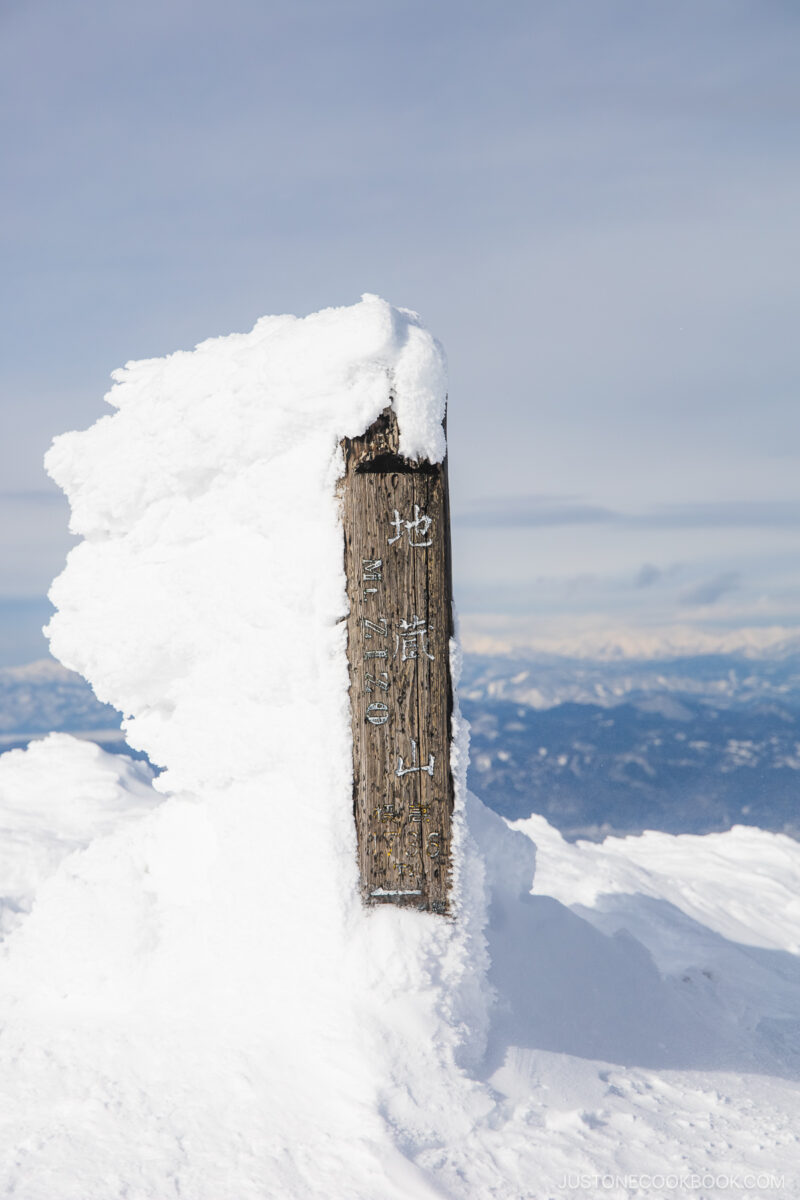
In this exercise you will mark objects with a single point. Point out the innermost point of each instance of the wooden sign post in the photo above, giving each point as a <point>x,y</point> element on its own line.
<point>397,559</point>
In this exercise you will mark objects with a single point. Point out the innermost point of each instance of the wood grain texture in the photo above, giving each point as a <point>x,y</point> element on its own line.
<point>397,558</point>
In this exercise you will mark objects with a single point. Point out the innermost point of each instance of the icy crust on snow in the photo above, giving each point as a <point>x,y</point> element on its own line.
<point>55,798</point>
<point>751,896</point>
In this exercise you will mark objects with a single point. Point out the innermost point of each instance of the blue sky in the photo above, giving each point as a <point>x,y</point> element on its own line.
<point>595,205</point>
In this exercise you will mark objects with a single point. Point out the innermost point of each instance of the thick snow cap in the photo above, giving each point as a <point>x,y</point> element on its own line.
<point>212,556</point>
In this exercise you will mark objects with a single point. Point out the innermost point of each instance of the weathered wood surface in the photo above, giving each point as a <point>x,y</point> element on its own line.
<point>397,558</point>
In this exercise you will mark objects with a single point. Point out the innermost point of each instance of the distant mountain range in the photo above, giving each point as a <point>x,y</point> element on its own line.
<point>685,745</point>
<point>44,696</point>
<point>543,680</point>
<point>682,744</point>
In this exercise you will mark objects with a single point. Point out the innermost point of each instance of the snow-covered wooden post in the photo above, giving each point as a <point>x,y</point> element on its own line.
<point>397,559</point>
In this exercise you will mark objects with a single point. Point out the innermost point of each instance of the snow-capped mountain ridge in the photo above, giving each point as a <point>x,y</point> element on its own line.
<point>43,696</point>
<point>726,680</point>
<point>513,638</point>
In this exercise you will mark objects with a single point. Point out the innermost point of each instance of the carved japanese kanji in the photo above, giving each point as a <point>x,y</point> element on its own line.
<point>397,559</point>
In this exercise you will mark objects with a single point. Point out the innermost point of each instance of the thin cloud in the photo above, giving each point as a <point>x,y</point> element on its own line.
<point>711,590</point>
<point>536,511</point>
<point>533,511</point>
<point>724,514</point>
<point>648,574</point>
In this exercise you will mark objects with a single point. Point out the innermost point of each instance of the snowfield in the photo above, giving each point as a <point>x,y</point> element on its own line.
<point>195,1003</point>
<point>644,1024</point>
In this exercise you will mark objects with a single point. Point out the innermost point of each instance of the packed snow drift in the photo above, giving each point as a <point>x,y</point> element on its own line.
<point>195,1002</point>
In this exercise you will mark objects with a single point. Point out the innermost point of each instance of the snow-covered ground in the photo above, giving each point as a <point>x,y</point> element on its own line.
<point>645,1023</point>
<point>194,1001</point>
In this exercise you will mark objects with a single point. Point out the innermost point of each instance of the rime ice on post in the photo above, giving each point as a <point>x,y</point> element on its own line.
<point>397,558</point>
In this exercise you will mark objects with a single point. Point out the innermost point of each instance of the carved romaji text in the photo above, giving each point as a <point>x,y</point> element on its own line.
<point>380,680</point>
<point>379,627</point>
<point>378,713</point>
